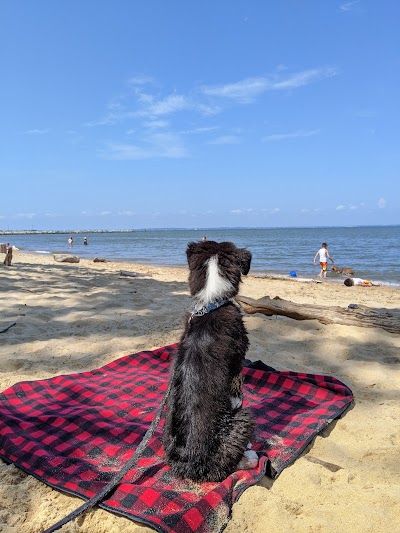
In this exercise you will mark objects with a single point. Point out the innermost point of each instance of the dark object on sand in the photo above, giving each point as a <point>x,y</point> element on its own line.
<point>66,258</point>
<point>353,306</point>
<point>8,258</point>
<point>362,315</point>
<point>99,260</point>
<point>128,274</point>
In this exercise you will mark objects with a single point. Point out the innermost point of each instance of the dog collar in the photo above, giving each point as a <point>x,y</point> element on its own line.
<point>212,306</point>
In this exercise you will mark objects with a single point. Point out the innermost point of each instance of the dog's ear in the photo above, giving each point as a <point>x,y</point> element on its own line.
<point>191,250</point>
<point>245,260</point>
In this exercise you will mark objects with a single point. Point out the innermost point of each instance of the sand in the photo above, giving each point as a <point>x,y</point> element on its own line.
<point>76,317</point>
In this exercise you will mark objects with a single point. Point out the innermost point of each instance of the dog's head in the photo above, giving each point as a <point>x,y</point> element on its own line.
<point>215,269</point>
<point>336,269</point>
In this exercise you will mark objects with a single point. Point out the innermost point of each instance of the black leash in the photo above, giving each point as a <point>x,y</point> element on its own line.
<point>117,478</point>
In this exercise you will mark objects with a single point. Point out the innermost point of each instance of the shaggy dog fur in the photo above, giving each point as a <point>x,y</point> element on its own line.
<point>340,270</point>
<point>206,432</point>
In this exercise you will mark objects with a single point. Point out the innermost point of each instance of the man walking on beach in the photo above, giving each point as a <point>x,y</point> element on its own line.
<point>323,259</point>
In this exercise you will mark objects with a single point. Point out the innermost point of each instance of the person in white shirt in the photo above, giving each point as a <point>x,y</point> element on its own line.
<point>323,259</point>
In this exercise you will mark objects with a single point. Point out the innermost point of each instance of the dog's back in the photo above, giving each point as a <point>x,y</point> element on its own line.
<point>206,432</point>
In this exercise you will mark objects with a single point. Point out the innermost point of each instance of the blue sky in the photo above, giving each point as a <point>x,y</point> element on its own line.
<point>164,113</point>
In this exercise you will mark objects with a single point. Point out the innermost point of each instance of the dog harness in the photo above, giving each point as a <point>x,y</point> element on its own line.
<point>212,306</point>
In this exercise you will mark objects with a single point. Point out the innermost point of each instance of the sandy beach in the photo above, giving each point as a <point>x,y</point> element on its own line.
<point>77,317</point>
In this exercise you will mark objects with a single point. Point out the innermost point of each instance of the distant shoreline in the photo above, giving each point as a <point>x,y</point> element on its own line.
<point>220,228</point>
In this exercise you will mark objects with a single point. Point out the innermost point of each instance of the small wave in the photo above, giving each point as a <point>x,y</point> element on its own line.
<point>42,252</point>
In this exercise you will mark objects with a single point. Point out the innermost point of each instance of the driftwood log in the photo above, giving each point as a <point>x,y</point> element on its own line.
<point>8,257</point>
<point>128,274</point>
<point>66,258</point>
<point>354,315</point>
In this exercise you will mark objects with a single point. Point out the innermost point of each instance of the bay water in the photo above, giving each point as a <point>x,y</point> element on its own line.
<point>371,251</point>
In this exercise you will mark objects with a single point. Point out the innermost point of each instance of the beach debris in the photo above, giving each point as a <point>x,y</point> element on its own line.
<point>8,258</point>
<point>330,466</point>
<point>129,274</point>
<point>66,258</point>
<point>99,260</point>
<point>363,316</point>
<point>6,329</point>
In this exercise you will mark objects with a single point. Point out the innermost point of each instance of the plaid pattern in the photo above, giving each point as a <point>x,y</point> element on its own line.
<point>75,431</point>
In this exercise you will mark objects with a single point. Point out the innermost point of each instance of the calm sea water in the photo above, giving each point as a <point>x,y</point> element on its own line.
<point>372,251</point>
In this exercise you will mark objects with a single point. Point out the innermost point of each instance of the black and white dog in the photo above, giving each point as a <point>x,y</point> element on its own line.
<point>207,434</point>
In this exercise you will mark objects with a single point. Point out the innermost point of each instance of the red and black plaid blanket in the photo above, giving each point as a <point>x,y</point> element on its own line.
<point>74,432</point>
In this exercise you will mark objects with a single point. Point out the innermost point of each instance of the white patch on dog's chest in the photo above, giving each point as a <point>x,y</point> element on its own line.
<point>216,286</point>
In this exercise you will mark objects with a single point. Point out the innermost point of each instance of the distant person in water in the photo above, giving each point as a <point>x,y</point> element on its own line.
<point>323,259</point>
<point>85,240</point>
<point>70,240</point>
<point>350,282</point>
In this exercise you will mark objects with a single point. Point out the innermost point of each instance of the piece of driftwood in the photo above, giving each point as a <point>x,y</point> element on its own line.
<point>129,274</point>
<point>8,258</point>
<point>66,258</point>
<point>354,315</point>
<point>99,260</point>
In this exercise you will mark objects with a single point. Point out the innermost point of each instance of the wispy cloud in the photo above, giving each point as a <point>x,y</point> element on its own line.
<point>226,139</point>
<point>255,211</point>
<point>348,6</point>
<point>241,211</point>
<point>107,120</point>
<point>245,91</point>
<point>346,207</point>
<point>293,135</point>
<point>156,124</point>
<point>150,115</point>
<point>158,145</point>
<point>140,80</point>
<point>366,113</point>
<point>307,211</point>
<point>25,215</point>
<point>34,132</point>
<point>304,78</point>
<point>381,203</point>
<point>196,131</point>
<point>104,213</point>
<point>166,106</point>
